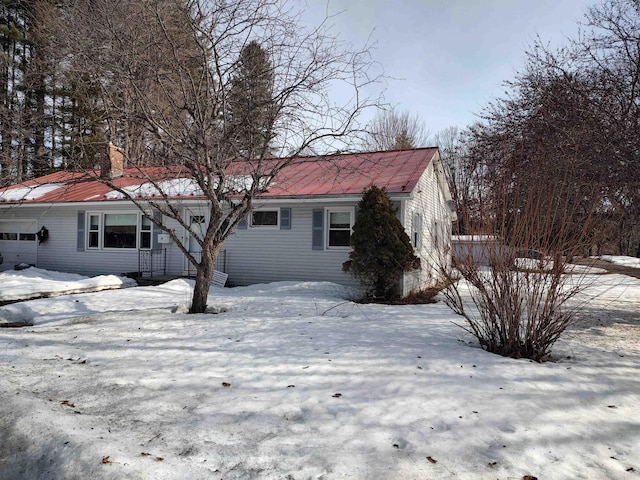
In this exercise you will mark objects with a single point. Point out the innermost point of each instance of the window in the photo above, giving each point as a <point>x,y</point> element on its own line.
<point>94,231</point>
<point>197,220</point>
<point>440,233</point>
<point>19,231</point>
<point>145,233</point>
<point>339,225</point>
<point>118,230</point>
<point>264,218</point>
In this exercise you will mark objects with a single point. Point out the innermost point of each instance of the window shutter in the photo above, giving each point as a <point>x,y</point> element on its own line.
<point>242,225</point>
<point>81,227</point>
<point>157,217</point>
<point>285,219</point>
<point>317,236</point>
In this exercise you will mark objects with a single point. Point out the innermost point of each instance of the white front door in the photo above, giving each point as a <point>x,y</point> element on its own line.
<point>18,242</point>
<point>197,219</point>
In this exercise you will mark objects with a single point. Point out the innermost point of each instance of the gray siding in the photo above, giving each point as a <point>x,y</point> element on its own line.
<point>115,261</point>
<point>257,255</point>
<point>60,251</point>
<point>254,255</point>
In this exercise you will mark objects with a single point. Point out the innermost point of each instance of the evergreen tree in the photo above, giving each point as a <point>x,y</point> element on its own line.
<point>13,21</point>
<point>382,250</point>
<point>250,102</point>
<point>27,100</point>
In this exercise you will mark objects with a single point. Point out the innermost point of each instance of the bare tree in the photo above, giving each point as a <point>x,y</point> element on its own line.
<point>610,49</point>
<point>168,66</point>
<point>394,130</point>
<point>463,172</point>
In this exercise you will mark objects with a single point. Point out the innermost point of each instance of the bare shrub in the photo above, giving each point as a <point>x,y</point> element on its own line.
<point>539,196</point>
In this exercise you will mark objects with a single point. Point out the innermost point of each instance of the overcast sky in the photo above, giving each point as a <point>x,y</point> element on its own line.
<point>450,56</point>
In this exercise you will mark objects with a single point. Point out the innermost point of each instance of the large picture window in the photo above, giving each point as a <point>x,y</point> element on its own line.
<point>339,225</point>
<point>120,230</point>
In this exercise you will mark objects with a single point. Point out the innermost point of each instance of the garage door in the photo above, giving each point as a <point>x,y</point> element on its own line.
<point>18,242</point>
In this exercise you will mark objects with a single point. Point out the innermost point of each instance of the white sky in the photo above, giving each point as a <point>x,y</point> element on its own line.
<point>450,57</point>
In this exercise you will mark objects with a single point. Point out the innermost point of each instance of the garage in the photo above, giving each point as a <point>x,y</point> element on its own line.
<point>18,242</point>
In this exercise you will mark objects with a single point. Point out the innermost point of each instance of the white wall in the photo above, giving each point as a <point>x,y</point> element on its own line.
<point>430,201</point>
<point>253,255</point>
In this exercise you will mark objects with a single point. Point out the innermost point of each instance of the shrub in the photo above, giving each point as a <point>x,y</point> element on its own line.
<point>382,250</point>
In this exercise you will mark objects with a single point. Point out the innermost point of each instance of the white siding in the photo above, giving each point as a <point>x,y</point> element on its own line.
<point>429,199</point>
<point>60,251</point>
<point>254,255</point>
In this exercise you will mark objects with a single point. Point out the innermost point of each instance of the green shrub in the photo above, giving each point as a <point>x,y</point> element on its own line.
<point>382,250</point>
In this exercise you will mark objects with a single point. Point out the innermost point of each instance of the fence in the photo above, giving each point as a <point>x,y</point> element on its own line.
<point>152,262</point>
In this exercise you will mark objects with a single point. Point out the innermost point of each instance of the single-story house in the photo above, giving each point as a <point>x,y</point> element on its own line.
<point>298,230</point>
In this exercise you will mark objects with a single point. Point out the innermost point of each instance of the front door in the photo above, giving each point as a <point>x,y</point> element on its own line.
<point>197,219</point>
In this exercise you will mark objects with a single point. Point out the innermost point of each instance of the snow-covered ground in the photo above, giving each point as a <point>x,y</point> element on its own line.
<point>622,260</point>
<point>293,381</point>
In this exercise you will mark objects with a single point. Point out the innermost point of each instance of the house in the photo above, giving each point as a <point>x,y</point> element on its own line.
<point>298,230</point>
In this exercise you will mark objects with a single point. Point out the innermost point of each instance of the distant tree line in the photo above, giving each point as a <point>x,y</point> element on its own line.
<point>560,151</point>
<point>28,93</point>
<point>569,129</point>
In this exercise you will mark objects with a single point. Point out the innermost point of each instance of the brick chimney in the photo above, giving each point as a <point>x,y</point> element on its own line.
<point>112,162</point>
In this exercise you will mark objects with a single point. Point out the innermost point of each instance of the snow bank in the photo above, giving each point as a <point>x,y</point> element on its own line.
<point>622,260</point>
<point>35,282</point>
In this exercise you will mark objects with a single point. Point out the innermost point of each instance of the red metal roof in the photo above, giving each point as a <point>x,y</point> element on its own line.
<point>335,175</point>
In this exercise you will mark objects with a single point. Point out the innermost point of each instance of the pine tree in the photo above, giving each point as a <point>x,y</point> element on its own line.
<point>251,102</point>
<point>12,59</point>
<point>382,250</point>
<point>28,67</point>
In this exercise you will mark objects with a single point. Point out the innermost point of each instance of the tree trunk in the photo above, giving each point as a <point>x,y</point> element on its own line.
<point>204,274</point>
<point>41,163</point>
